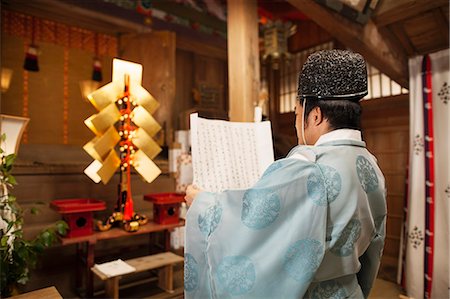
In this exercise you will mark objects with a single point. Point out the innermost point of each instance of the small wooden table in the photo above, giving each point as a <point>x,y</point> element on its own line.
<point>86,256</point>
<point>47,293</point>
<point>164,262</point>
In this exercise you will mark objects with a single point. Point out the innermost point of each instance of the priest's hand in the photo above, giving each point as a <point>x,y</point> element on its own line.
<point>191,193</point>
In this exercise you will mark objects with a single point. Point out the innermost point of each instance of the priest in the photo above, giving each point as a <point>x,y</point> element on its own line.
<point>313,226</point>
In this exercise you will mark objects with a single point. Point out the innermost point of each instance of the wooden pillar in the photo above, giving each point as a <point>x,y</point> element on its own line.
<point>273,80</point>
<point>243,59</point>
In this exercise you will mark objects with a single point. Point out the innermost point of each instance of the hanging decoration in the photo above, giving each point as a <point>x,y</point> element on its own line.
<point>125,101</point>
<point>148,9</point>
<point>425,240</point>
<point>144,7</point>
<point>97,67</point>
<point>31,59</point>
<point>195,25</point>
<point>6,75</point>
<point>15,24</point>
<point>25,112</point>
<point>97,70</point>
<point>31,56</point>
<point>276,34</point>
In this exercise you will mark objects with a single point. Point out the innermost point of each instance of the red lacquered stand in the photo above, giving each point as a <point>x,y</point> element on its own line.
<point>78,214</point>
<point>166,207</point>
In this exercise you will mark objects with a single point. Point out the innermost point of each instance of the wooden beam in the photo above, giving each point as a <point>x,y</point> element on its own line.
<point>191,45</point>
<point>442,22</point>
<point>308,36</point>
<point>243,59</point>
<point>399,31</point>
<point>190,13</point>
<point>390,12</point>
<point>384,55</point>
<point>71,14</point>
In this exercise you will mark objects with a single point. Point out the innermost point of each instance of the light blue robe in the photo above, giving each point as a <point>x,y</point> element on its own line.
<point>313,226</point>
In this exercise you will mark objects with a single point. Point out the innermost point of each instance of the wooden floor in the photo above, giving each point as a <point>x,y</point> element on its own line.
<point>384,289</point>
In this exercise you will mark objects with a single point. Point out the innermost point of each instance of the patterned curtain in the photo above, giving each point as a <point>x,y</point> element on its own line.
<point>426,234</point>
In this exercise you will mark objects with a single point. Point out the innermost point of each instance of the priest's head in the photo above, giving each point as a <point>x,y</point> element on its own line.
<point>330,86</point>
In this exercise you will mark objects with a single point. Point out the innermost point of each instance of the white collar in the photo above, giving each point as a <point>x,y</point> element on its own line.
<point>340,134</point>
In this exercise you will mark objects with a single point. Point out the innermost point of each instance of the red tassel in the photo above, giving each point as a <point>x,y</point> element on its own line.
<point>144,7</point>
<point>31,59</point>
<point>97,71</point>
<point>128,210</point>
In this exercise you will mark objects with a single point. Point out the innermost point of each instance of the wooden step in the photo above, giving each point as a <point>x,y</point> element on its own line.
<point>162,261</point>
<point>154,261</point>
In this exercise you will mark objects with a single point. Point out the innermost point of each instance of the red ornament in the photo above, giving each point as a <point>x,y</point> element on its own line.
<point>195,25</point>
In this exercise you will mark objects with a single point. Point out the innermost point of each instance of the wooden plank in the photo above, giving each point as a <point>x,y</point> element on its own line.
<point>112,287</point>
<point>201,48</point>
<point>47,293</point>
<point>188,12</point>
<point>147,228</point>
<point>118,233</point>
<point>393,237</point>
<point>442,21</point>
<point>156,52</point>
<point>164,260</point>
<point>393,39</point>
<point>308,36</point>
<point>367,40</point>
<point>389,261</point>
<point>178,293</point>
<point>165,279</point>
<point>386,132</point>
<point>145,263</point>
<point>100,274</point>
<point>154,261</point>
<point>243,59</point>
<point>390,12</point>
<point>398,30</point>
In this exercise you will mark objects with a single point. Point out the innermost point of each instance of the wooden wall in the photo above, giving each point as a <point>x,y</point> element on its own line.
<point>156,52</point>
<point>45,94</point>
<point>385,124</point>
<point>201,81</point>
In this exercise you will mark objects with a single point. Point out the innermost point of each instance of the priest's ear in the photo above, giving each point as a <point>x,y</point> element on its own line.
<point>316,116</point>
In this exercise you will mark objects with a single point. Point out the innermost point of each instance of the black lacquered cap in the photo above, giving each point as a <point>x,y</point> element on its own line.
<point>334,75</point>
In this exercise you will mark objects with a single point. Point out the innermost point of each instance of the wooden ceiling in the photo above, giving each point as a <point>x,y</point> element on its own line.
<point>420,27</point>
<point>396,31</point>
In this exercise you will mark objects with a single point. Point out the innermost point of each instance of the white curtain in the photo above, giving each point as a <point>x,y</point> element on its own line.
<point>426,237</point>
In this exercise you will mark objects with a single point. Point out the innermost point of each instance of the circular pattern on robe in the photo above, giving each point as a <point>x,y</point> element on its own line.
<point>210,219</point>
<point>302,259</point>
<point>328,289</point>
<point>190,273</point>
<point>323,190</point>
<point>346,242</point>
<point>272,167</point>
<point>366,174</point>
<point>236,274</point>
<point>260,208</point>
